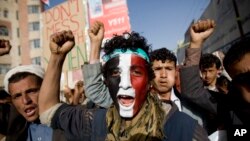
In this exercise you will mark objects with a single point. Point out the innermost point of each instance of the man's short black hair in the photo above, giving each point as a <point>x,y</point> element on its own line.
<point>163,54</point>
<point>208,60</point>
<point>126,41</point>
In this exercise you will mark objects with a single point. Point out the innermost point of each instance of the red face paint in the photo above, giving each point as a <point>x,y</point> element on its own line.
<point>139,79</point>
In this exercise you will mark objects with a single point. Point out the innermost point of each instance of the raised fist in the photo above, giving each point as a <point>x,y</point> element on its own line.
<point>96,32</point>
<point>62,42</point>
<point>4,47</point>
<point>200,31</point>
<point>203,25</point>
<point>96,35</point>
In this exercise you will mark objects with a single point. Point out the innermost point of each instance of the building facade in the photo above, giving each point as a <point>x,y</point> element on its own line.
<point>232,19</point>
<point>9,30</point>
<point>20,23</point>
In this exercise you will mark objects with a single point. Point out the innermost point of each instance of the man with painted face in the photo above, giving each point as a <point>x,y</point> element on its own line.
<point>164,66</point>
<point>135,115</point>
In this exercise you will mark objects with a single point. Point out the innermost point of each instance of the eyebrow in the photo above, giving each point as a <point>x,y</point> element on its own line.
<point>32,89</point>
<point>27,91</point>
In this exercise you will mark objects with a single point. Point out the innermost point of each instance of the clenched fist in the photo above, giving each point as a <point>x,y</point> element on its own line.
<point>62,42</point>
<point>4,47</point>
<point>200,31</point>
<point>96,35</point>
<point>203,25</point>
<point>96,32</point>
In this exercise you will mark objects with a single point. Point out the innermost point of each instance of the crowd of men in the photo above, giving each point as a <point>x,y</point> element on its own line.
<point>133,95</point>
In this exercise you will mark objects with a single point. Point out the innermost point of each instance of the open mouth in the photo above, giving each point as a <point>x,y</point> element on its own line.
<point>126,100</point>
<point>30,111</point>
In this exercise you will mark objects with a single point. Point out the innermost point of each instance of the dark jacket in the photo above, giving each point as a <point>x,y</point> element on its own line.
<point>16,128</point>
<point>176,123</point>
<point>201,98</point>
<point>227,110</point>
<point>221,111</point>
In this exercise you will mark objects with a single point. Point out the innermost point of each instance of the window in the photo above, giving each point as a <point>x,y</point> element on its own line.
<point>17,15</point>
<point>4,31</point>
<point>36,60</point>
<point>4,68</point>
<point>32,9</point>
<point>35,43</point>
<point>34,26</point>
<point>5,13</point>
<point>17,32</point>
<point>19,50</point>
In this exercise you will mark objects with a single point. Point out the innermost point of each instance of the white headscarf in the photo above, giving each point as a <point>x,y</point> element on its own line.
<point>34,69</point>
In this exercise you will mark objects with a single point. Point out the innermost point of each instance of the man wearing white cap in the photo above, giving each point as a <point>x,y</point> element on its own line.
<point>20,121</point>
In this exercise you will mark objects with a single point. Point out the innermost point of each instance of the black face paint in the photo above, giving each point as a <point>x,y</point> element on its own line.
<point>111,79</point>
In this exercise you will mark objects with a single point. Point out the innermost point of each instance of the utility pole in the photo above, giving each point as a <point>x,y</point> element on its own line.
<point>238,19</point>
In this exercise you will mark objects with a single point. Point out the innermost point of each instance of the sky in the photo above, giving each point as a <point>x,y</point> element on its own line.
<point>164,22</point>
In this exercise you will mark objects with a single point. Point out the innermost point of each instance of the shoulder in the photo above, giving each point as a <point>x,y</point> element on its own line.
<point>180,121</point>
<point>180,126</point>
<point>183,118</point>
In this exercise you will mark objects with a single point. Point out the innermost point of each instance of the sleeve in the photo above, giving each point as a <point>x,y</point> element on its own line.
<point>192,89</point>
<point>46,117</point>
<point>192,56</point>
<point>75,121</point>
<point>95,89</point>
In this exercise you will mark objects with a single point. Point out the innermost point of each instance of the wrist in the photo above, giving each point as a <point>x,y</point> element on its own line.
<point>57,58</point>
<point>196,44</point>
<point>96,44</point>
<point>94,61</point>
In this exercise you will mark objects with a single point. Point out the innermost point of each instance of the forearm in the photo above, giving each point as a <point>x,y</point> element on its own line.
<point>50,89</point>
<point>95,52</point>
<point>192,56</point>
<point>95,89</point>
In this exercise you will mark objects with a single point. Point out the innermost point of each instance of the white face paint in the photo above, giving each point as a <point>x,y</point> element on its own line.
<point>125,87</point>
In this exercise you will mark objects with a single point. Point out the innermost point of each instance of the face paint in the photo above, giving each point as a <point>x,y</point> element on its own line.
<point>128,83</point>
